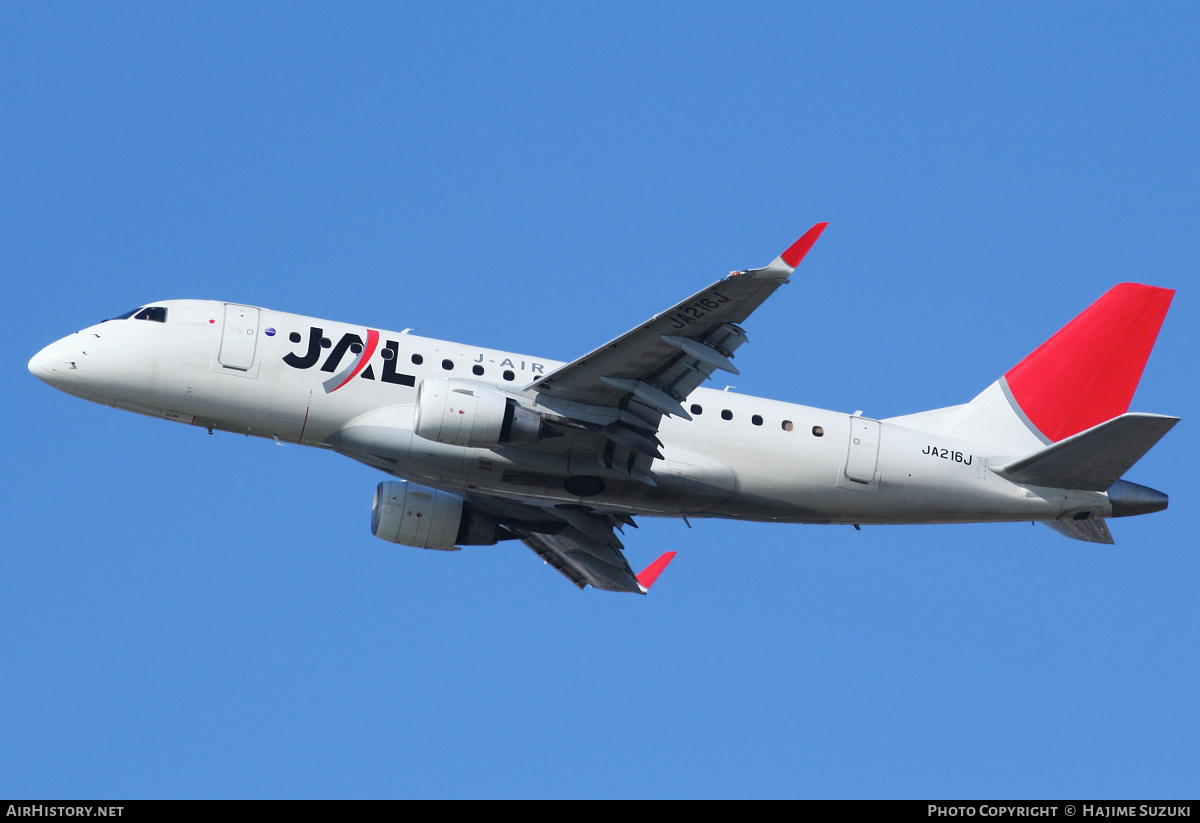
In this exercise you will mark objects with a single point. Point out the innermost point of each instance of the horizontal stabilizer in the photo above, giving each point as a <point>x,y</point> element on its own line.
<point>1092,460</point>
<point>1089,531</point>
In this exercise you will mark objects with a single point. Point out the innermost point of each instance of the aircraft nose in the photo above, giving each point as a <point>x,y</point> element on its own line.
<point>53,364</point>
<point>39,364</point>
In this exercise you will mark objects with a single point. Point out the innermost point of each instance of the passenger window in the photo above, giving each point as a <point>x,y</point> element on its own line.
<point>787,425</point>
<point>756,419</point>
<point>726,414</point>
<point>477,369</point>
<point>818,431</point>
<point>509,374</point>
<point>447,364</point>
<point>156,313</point>
<point>417,359</point>
<point>697,409</point>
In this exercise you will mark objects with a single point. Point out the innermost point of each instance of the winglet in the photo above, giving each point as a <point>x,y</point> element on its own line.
<point>783,265</point>
<point>650,573</point>
<point>797,250</point>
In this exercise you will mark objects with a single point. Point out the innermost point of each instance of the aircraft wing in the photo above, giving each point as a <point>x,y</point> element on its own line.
<point>626,385</point>
<point>583,561</point>
<point>582,545</point>
<point>621,391</point>
<point>576,557</point>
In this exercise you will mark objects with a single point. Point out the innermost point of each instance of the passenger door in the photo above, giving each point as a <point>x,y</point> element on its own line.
<point>239,337</point>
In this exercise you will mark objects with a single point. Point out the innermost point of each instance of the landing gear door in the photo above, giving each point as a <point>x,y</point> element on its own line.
<point>239,336</point>
<point>864,449</point>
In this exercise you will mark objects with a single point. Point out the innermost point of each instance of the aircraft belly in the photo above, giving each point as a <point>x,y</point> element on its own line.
<point>536,473</point>
<point>685,482</point>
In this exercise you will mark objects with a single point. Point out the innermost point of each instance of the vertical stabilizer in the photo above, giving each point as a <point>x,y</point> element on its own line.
<point>1081,377</point>
<point>1087,373</point>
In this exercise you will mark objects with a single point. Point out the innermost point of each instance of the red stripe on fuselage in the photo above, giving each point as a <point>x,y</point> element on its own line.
<point>368,350</point>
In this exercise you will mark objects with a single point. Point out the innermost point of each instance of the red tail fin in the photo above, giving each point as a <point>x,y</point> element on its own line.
<point>1087,373</point>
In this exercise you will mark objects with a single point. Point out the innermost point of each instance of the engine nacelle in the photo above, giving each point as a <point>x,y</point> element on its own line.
<point>428,518</point>
<point>465,413</point>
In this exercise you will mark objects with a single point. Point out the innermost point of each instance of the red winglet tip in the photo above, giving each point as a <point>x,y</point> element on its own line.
<point>651,572</point>
<point>797,250</point>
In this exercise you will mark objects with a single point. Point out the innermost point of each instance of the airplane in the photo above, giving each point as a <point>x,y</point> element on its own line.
<point>484,445</point>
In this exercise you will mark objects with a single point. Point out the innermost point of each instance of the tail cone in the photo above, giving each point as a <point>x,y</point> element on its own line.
<point>1130,498</point>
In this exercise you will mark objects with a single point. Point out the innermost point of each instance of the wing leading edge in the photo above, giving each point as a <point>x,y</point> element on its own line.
<point>676,350</point>
<point>623,388</point>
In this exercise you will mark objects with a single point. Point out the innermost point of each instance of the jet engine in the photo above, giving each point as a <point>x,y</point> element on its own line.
<point>427,518</point>
<point>465,413</point>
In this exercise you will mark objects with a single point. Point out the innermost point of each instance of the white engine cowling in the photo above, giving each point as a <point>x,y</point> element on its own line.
<point>465,413</point>
<point>428,518</point>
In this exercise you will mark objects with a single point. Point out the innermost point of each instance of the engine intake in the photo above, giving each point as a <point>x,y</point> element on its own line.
<point>465,413</point>
<point>428,518</point>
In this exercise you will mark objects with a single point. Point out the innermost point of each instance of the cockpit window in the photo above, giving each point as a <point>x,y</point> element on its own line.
<point>156,313</point>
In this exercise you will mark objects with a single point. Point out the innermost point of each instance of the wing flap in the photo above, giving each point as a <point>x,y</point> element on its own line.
<point>588,553</point>
<point>577,558</point>
<point>544,550</point>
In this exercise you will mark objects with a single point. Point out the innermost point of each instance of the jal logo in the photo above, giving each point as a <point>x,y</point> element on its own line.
<point>359,366</point>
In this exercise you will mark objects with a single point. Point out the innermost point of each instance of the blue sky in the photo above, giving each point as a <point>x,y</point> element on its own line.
<point>196,616</point>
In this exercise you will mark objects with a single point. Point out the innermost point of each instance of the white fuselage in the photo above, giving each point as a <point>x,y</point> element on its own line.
<point>739,457</point>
